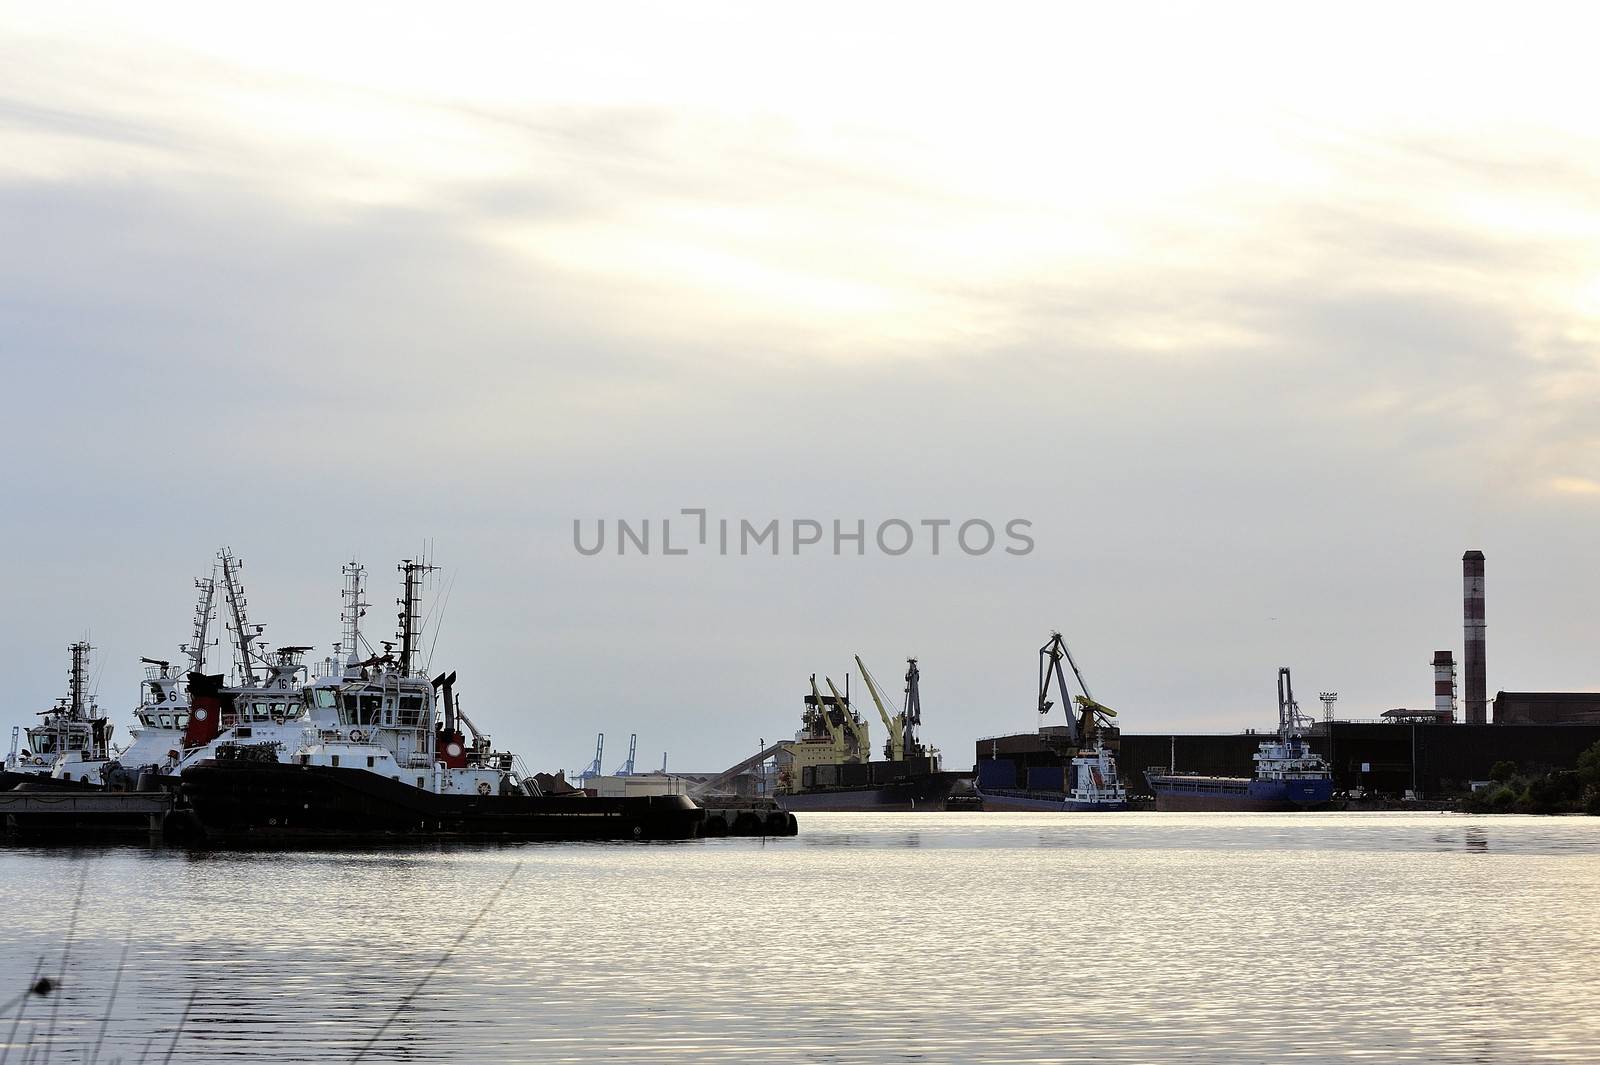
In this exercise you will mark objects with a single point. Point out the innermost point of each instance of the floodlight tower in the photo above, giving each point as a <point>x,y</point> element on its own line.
<point>1328,699</point>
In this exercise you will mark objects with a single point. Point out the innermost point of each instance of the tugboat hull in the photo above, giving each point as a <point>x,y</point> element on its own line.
<point>263,802</point>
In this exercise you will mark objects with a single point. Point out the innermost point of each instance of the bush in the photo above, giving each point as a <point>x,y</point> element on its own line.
<point>1589,767</point>
<point>1502,772</point>
<point>1554,792</point>
<point>1503,800</point>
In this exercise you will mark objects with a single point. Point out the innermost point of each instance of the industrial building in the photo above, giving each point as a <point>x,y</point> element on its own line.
<point>1547,708</point>
<point>1421,750</point>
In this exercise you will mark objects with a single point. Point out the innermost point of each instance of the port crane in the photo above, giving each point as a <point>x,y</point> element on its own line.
<point>852,720</point>
<point>1084,728</point>
<point>835,732</point>
<point>1290,720</point>
<point>894,747</point>
<point>911,716</point>
<point>626,769</point>
<point>594,769</point>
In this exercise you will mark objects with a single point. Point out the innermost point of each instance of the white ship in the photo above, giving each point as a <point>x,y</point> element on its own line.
<point>70,745</point>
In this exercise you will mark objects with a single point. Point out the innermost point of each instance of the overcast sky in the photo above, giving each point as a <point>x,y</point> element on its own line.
<point>1260,316</point>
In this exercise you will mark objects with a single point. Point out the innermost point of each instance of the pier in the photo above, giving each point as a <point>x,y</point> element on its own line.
<point>77,814</point>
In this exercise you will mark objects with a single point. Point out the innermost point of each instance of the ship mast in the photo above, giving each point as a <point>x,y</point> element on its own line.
<point>355,608</point>
<point>80,665</point>
<point>205,611</point>
<point>240,623</point>
<point>411,611</point>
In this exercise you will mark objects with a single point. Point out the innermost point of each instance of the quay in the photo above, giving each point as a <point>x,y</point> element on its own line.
<point>79,814</point>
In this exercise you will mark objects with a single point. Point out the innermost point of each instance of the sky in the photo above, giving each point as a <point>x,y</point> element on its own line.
<point>1258,315</point>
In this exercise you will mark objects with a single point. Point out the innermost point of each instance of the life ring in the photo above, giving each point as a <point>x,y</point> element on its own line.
<point>356,736</point>
<point>483,787</point>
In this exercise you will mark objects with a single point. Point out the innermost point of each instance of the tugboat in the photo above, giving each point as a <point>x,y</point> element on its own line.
<point>1086,779</point>
<point>1288,774</point>
<point>379,753</point>
<point>70,747</point>
<point>828,765</point>
<point>183,718</point>
<point>163,714</point>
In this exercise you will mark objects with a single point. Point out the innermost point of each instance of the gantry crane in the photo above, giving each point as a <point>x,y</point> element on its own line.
<point>627,767</point>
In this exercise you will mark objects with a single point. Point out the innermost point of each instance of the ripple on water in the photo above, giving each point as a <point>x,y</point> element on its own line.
<point>871,937</point>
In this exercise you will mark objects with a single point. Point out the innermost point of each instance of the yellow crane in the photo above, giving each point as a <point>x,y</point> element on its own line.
<point>822,711</point>
<point>895,726</point>
<point>853,722</point>
<point>1092,715</point>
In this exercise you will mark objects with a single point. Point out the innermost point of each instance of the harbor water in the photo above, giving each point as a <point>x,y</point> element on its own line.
<point>1131,937</point>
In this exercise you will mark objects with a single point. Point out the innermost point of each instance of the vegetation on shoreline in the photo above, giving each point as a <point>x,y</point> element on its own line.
<point>1560,791</point>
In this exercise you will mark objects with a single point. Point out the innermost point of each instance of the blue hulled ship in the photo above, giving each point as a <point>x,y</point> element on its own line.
<point>1289,775</point>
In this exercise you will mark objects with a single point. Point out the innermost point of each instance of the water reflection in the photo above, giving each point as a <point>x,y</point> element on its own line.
<point>783,952</point>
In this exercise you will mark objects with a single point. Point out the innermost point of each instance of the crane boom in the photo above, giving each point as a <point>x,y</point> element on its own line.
<point>1076,672</point>
<point>822,711</point>
<point>897,745</point>
<point>851,722</point>
<point>911,716</point>
<point>1085,726</point>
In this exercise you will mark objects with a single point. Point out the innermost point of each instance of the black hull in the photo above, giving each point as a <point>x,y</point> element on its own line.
<point>272,802</point>
<point>926,793</point>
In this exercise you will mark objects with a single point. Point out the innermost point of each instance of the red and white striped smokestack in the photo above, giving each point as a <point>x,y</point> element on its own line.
<point>1444,685</point>
<point>1476,637</point>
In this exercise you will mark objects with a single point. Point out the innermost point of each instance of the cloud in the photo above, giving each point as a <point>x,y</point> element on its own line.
<point>1574,486</point>
<point>1237,362</point>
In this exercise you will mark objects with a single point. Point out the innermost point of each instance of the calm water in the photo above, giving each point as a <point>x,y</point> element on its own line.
<point>934,937</point>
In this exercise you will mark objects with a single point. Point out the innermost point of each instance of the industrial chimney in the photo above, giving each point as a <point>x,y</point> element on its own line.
<point>1473,624</point>
<point>1444,686</point>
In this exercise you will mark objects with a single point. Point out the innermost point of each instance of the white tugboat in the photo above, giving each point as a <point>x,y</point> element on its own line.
<point>70,746</point>
<point>379,751</point>
<point>163,714</point>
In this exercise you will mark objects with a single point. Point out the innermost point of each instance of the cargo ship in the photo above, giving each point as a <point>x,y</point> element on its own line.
<point>1085,779</point>
<point>1288,774</point>
<point>829,766</point>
